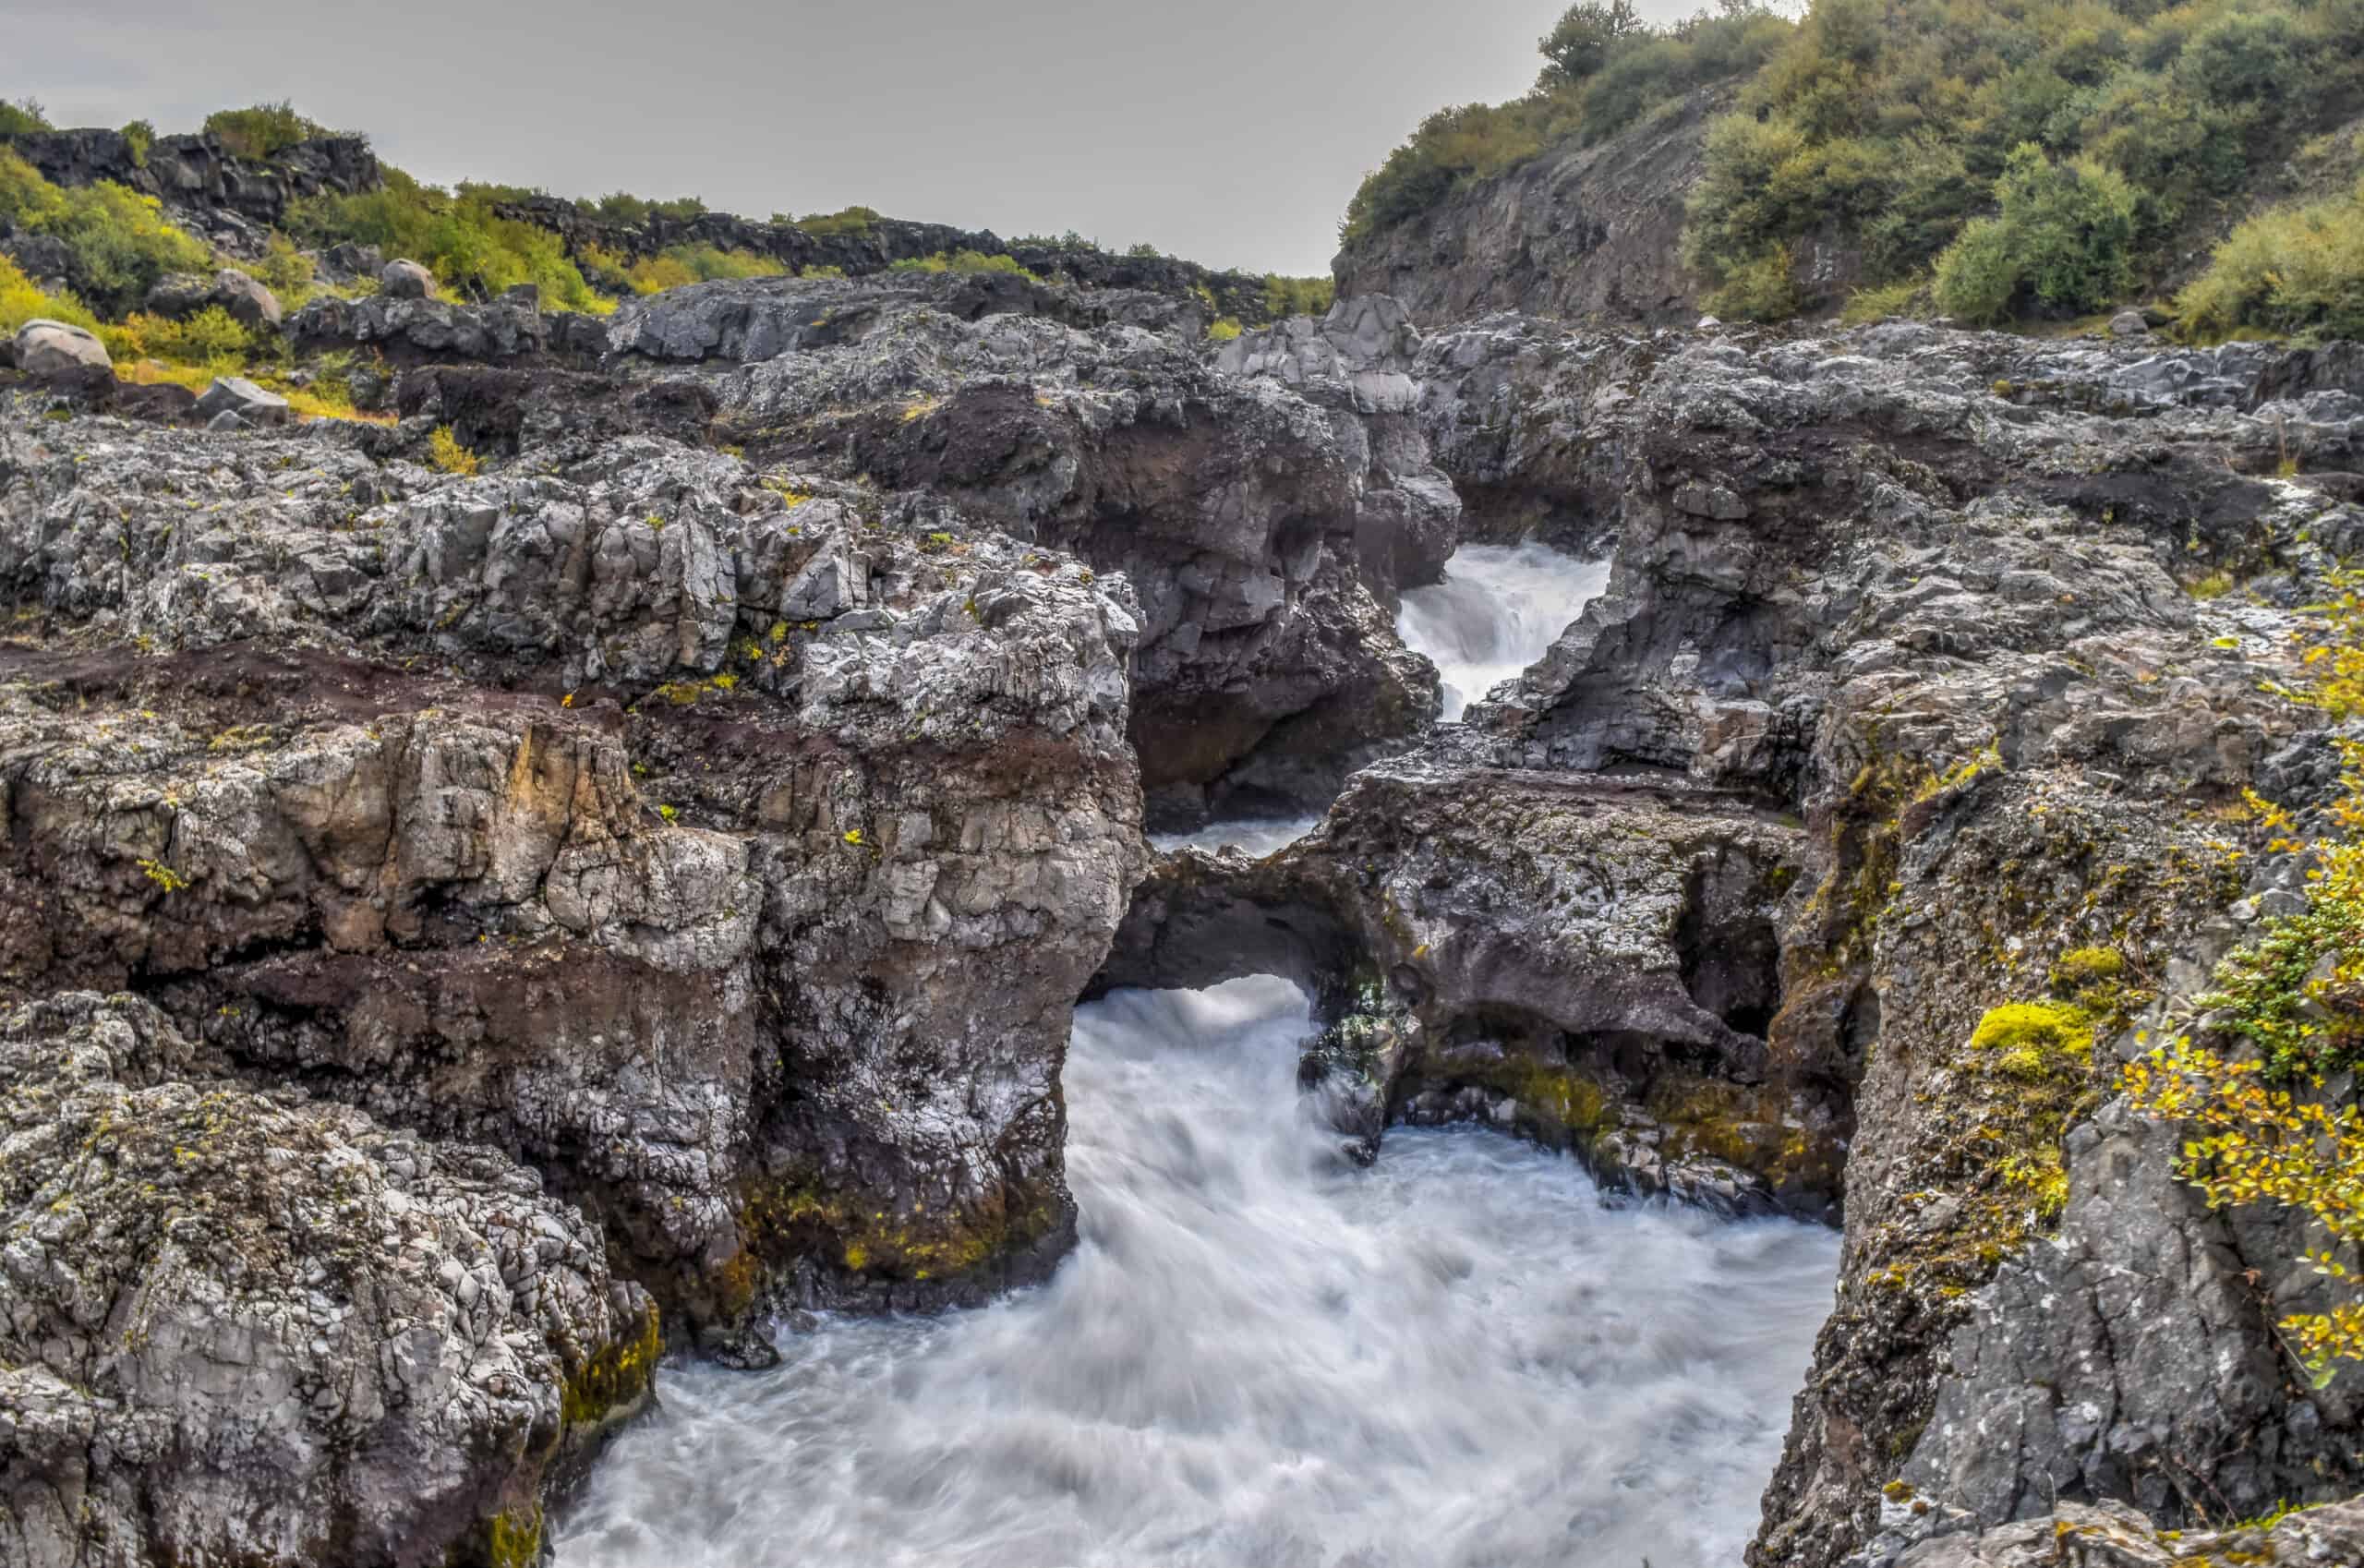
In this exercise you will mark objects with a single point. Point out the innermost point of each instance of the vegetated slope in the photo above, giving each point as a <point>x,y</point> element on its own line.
<point>2025,160</point>
<point>98,218</point>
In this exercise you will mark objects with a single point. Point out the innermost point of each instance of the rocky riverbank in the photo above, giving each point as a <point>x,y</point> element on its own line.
<point>596,900</point>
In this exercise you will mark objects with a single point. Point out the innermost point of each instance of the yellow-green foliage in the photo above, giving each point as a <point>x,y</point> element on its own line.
<point>622,207</point>
<point>21,300</point>
<point>1591,87</point>
<point>1881,301</point>
<point>2294,268</point>
<point>2295,999</point>
<point>846,221</point>
<point>261,130</point>
<point>514,1539</point>
<point>454,234</point>
<point>1762,290</point>
<point>1225,329</point>
<point>19,115</point>
<point>962,261</point>
<point>2029,1040</point>
<point>213,339</point>
<point>1886,123</point>
<point>1285,297</point>
<point>116,242</point>
<point>678,265</point>
<point>445,450</point>
<point>618,1376</point>
<point>284,270</point>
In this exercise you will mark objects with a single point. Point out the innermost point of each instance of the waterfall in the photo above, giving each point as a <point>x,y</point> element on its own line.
<point>1497,610</point>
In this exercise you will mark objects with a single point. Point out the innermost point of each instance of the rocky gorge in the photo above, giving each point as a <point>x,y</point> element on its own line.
<point>468,935</point>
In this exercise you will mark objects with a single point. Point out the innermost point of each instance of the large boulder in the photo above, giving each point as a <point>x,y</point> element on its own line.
<point>240,399</point>
<point>49,348</point>
<point>247,301</point>
<point>405,280</point>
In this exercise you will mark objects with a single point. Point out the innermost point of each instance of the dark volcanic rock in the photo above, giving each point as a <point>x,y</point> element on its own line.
<point>1265,530</point>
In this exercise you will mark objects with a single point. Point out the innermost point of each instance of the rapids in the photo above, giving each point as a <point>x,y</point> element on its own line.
<point>1259,1356</point>
<point>1498,609</point>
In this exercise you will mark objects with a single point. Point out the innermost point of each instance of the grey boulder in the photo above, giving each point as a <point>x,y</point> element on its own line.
<point>249,403</point>
<point>47,348</point>
<point>405,280</point>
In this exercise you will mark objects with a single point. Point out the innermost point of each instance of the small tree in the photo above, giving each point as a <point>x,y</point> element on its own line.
<point>1587,36</point>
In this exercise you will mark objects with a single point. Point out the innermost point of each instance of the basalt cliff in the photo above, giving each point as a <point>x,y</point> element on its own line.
<point>471,926</point>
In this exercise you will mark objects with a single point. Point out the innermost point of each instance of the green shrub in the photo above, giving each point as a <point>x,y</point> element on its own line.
<point>1761,289</point>
<point>1225,329</point>
<point>454,234</point>
<point>961,261</point>
<point>22,115</point>
<point>1587,36</point>
<point>117,243</point>
<point>261,130</point>
<point>2243,57</point>
<point>1285,297</point>
<point>846,221</point>
<point>21,300</point>
<point>138,136</point>
<point>213,338</point>
<point>622,207</point>
<point>1878,302</point>
<point>2293,268</point>
<point>284,270</point>
<point>2066,234</point>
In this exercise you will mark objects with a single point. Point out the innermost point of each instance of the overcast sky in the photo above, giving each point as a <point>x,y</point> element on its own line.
<point>1230,131</point>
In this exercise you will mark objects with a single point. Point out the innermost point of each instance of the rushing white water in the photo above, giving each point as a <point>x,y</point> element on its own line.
<point>1497,610</point>
<point>1259,838</point>
<point>1260,1356</point>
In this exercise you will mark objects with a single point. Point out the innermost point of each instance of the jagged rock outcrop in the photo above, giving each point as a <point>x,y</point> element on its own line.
<point>1581,233</point>
<point>1954,601</point>
<point>1265,530</point>
<point>223,198</point>
<point>241,1324</point>
<point>733,855</point>
<point>2110,1535</point>
<point>1586,963</point>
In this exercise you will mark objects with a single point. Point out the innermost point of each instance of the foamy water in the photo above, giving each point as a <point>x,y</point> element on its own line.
<point>1498,609</point>
<point>1259,1356</point>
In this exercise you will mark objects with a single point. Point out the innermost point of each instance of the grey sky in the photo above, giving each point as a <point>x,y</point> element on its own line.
<point>1230,131</point>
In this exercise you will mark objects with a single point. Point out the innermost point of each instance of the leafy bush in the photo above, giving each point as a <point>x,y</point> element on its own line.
<point>1877,304</point>
<point>2293,268</point>
<point>1225,329</point>
<point>1884,123</point>
<point>21,300</point>
<point>212,338</point>
<point>1589,36</point>
<point>846,221</point>
<point>284,270</point>
<point>2066,234</point>
<point>622,207</point>
<point>1297,297</point>
<point>445,450</point>
<point>263,129</point>
<point>961,261</point>
<point>1759,290</point>
<point>138,136</point>
<point>454,234</point>
<point>22,115</point>
<point>117,243</point>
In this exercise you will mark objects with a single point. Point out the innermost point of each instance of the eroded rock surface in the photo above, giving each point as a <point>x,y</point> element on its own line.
<point>244,1325</point>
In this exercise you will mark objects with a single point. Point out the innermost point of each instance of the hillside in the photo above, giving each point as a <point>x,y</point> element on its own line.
<point>94,221</point>
<point>2031,162</point>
